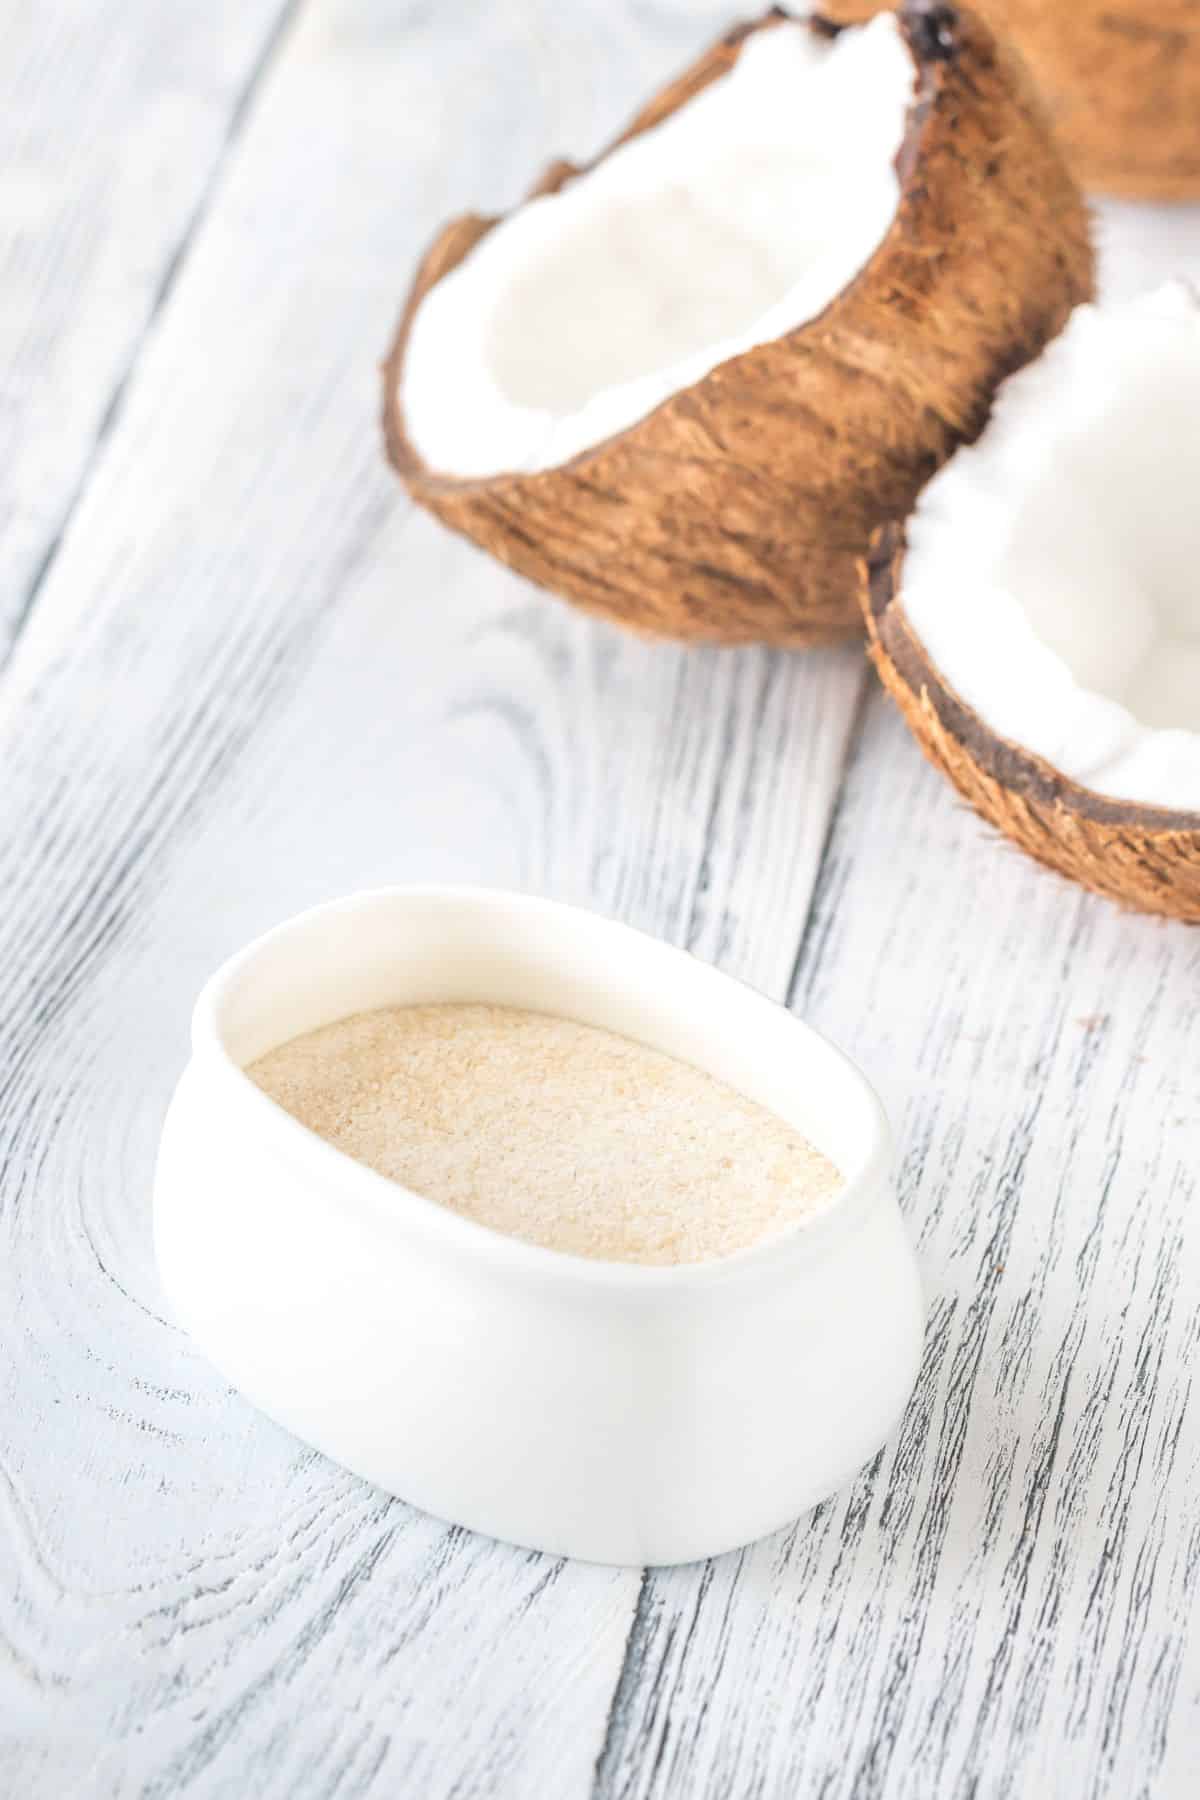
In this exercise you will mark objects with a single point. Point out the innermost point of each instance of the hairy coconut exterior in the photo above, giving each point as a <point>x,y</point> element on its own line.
<point>1121,80</point>
<point>737,510</point>
<point>1123,85</point>
<point>1143,857</point>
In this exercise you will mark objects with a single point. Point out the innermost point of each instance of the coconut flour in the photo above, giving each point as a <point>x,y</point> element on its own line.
<point>554,1132</point>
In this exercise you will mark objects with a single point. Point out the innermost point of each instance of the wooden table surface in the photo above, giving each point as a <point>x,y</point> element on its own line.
<point>242,675</point>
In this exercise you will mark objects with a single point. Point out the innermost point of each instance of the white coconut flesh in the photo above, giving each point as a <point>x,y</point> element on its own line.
<point>739,218</point>
<point>1053,568</point>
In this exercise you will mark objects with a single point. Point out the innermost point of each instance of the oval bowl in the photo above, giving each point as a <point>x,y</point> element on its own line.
<point>610,1411</point>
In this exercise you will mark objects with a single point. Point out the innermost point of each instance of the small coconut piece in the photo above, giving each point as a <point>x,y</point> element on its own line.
<point>682,386</point>
<point>1121,79</point>
<point>1038,619</point>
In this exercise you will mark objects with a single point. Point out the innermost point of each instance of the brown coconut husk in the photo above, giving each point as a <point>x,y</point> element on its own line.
<point>1144,857</point>
<point>1121,81</point>
<point>738,509</point>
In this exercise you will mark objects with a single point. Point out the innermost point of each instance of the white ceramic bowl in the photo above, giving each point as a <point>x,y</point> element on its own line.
<point>611,1411</point>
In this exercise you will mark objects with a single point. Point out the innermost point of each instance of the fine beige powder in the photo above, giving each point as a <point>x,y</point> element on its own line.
<point>555,1132</point>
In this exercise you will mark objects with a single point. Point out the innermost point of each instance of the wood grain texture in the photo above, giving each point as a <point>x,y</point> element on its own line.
<point>1003,1604</point>
<point>252,680</point>
<point>114,121</point>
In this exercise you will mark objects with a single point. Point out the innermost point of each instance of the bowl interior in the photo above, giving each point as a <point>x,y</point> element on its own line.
<point>412,946</point>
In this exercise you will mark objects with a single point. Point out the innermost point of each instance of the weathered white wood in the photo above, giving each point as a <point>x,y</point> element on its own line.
<point>253,679</point>
<point>1003,1605</point>
<point>114,120</point>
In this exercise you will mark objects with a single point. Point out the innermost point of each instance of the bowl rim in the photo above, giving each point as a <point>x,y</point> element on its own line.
<point>391,1202</point>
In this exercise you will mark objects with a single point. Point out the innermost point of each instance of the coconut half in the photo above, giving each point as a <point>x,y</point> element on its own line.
<point>1038,619</point>
<point>1122,81</point>
<point>1123,84</point>
<point>682,386</point>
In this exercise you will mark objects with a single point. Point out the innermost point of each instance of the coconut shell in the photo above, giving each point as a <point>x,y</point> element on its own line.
<point>1122,83</point>
<point>1143,857</point>
<point>738,509</point>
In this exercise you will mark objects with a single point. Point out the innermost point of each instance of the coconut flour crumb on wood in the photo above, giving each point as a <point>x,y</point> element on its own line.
<point>551,1131</point>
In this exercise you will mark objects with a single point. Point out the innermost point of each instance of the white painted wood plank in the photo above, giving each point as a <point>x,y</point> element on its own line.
<point>113,123</point>
<point>254,679</point>
<point>251,682</point>
<point>1004,1604</point>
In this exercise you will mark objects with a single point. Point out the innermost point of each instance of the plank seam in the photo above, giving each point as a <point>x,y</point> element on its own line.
<point>238,115</point>
<point>631,1663</point>
<point>813,916</point>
